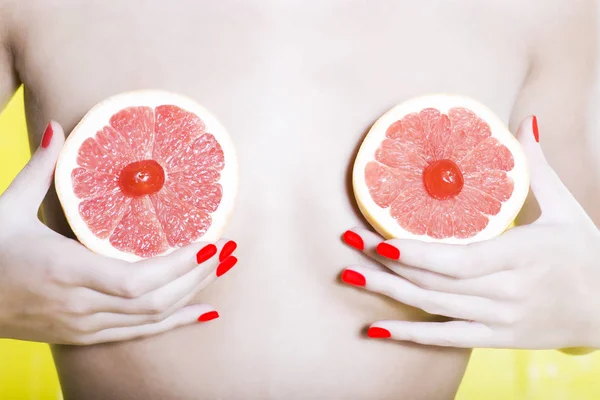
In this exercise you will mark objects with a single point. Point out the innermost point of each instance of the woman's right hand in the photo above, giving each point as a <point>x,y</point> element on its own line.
<point>54,290</point>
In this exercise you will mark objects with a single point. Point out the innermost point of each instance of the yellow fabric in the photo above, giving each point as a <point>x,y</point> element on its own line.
<point>27,371</point>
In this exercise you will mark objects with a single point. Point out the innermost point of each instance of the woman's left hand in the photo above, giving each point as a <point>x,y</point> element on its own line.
<point>535,286</point>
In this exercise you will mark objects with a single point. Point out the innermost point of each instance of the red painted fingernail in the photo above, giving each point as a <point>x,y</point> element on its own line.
<point>47,137</point>
<point>536,132</point>
<point>227,249</point>
<point>205,253</point>
<point>353,239</point>
<point>226,265</point>
<point>378,333</point>
<point>208,316</point>
<point>353,278</point>
<point>387,250</point>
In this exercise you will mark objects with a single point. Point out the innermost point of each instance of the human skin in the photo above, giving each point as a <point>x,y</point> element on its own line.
<point>297,85</point>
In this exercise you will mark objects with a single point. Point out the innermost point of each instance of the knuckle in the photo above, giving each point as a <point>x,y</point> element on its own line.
<point>131,289</point>
<point>390,291</point>
<point>81,326</point>
<point>154,305</point>
<point>424,280</point>
<point>159,317</point>
<point>50,274</point>
<point>461,272</point>
<point>76,307</point>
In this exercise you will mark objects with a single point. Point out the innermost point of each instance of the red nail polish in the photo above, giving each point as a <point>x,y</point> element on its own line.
<point>536,132</point>
<point>353,239</point>
<point>208,316</point>
<point>205,253</point>
<point>378,333</point>
<point>226,265</point>
<point>47,137</point>
<point>353,278</point>
<point>227,249</point>
<point>388,251</point>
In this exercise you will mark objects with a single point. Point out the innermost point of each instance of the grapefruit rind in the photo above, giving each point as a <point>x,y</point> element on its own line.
<point>381,219</point>
<point>95,120</point>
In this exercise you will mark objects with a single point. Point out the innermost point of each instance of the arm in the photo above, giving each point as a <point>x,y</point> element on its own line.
<point>560,91</point>
<point>535,286</point>
<point>84,297</point>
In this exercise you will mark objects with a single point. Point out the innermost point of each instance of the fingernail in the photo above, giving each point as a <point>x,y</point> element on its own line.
<point>353,239</point>
<point>353,278</point>
<point>205,253</point>
<point>378,333</point>
<point>226,265</point>
<point>388,251</point>
<point>47,137</point>
<point>227,249</point>
<point>536,132</point>
<point>208,316</point>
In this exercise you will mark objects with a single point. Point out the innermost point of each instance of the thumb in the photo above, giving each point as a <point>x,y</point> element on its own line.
<point>29,188</point>
<point>555,200</point>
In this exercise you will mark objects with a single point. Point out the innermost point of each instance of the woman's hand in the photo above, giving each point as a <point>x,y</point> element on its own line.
<point>53,289</point>
<point>535,286</point>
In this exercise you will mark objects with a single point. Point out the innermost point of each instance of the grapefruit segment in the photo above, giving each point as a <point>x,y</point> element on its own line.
<point>136,125</point>
<point>182,222</point>
<point>145,173</point>
<point>92,156</point>
<point>139,230</point>
<point>440,168</point>
<point>466,133</point>
<point>175,131</point>
<point>89,183</point>
<point>496,184</point>
<point>384,183</point>
<point>103,213</point>
<point>115,146</point>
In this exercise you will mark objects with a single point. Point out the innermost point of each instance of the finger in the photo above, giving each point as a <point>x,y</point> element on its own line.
<point>421,277</point>
<point>223,267</point>
<point>185,316</point>
<point>174,296</point>
<point>447,334</point>
<point>106,320</point>
<point>30,186</point>
<point>132,280</point>
<point>555,200</point>
<point>168,298</point>
<point>435,303</point>
<point>459,261</point>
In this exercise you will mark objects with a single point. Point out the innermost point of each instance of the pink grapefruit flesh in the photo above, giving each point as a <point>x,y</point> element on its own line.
<point>148,180</point>
<point>440,173</point>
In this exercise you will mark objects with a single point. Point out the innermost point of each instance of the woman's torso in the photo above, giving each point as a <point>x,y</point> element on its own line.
<point>297,84</point>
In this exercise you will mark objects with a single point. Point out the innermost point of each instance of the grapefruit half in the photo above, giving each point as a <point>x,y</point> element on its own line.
<point>440,168</point>
<point>145,173</point>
